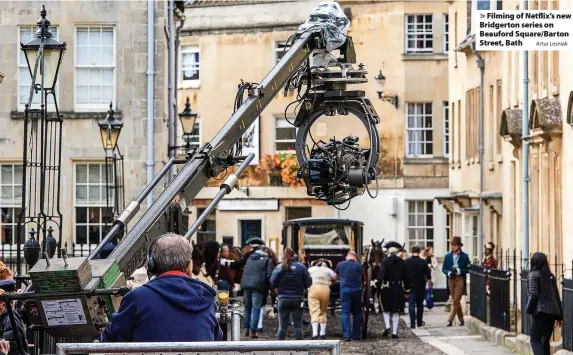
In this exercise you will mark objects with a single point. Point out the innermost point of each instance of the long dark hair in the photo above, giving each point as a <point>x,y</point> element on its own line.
<point>210,253</point>
<point>288,257</point>
<point>539,263</point>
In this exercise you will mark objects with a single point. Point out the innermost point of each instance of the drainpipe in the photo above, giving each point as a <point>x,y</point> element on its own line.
<point>481,65</point>
<point>170,87</point>
<point>150,89</point>
<point>525,147</point>
<point>176,79</point>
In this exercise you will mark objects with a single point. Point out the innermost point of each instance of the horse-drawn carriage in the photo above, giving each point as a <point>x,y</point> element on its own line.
<point>331,239</point>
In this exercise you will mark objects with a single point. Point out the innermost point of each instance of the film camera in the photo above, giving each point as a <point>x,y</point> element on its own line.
<point>335,171</point>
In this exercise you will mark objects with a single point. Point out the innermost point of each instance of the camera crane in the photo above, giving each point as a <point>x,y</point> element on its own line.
<point>334,172</point>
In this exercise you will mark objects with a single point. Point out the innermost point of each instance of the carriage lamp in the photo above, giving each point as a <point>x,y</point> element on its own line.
<point>45,49</point>
<point>109,129</point>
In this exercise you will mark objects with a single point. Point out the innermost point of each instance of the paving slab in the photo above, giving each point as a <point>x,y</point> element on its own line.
<point>455,340</point>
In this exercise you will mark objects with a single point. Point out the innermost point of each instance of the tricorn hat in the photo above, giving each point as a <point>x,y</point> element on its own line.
<point>489,246</point>
<point>457,241</point>
<point>393,245</point>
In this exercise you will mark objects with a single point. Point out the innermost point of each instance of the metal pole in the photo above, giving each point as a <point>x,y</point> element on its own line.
<point>226,188</point>
<point>525,146</point>
<point>176,74</point>
<point>235,322</point>
<point>481,65</point>
<point>150,89</point>
<point>170,119</point>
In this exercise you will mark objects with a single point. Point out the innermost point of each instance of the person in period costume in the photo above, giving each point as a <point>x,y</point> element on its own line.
<point>394,288</point>
<point>489,261</point>
<point>456,267</point>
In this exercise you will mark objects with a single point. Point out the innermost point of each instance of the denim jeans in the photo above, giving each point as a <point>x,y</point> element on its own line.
<point>415,309</point>
<point>288,306</point>
<point>223,285</point>
<point>351,303</point>
<point>253,300</point>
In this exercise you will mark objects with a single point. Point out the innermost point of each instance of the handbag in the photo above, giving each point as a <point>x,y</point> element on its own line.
<point>429,298</point>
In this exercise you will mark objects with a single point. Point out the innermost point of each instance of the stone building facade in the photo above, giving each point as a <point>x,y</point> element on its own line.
<point>406,41</point>
<point>549,120</point>
<point>106,61</point>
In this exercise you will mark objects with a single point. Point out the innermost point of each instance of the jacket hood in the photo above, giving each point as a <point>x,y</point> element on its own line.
<point>186,293</point>
<point>258,254</point>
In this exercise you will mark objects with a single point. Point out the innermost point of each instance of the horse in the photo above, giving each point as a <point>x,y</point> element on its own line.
<point>375,261</point>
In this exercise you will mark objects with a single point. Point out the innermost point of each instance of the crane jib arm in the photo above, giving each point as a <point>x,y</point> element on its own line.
<point>131,252</point>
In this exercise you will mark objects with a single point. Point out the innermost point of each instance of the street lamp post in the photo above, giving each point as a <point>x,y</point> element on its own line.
<point>110,129</point>
<point>188,119</point>
<point>42,148</point>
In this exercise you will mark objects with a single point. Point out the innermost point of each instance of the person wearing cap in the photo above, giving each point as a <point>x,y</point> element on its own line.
<point>255,285</point>
<point>349,272</point>
<point>456,266</point>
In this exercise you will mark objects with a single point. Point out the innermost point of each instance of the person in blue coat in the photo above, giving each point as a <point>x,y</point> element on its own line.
<point>456,267</point>
<point>172,307</point>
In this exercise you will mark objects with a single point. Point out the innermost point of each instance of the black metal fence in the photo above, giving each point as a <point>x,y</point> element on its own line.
<point>478,299</point>
<point>525,318</point>
<point>567,336</point>
<point>499,303</point>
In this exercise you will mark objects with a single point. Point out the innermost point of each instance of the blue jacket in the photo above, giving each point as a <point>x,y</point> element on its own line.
<point>170,308</point>
<point>463,264</point>
<point>292,283</point>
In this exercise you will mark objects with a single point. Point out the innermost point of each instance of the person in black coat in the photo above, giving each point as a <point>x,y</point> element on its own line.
<point>8,333</point>
<point>417,273</point>
<point>394,287</point>
<point>544,304</point>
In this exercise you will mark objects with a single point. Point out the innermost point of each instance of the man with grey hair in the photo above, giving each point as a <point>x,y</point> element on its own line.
<point>172,307</point>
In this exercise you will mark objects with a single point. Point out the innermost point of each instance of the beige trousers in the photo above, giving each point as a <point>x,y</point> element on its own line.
<point>318,297</point>
<point>456,287</point>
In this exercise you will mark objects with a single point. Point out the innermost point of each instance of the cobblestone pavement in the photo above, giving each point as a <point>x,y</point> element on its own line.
<point>407,344</point>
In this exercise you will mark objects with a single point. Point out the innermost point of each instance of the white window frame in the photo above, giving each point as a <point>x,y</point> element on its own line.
<point>17,204</point>
<point>446,33</point>
<point>22,107</point>
<point>88,205</point>
<point>277,119</point>
<point>189,84</point>
<point>446,130</point>
<point>424,227</point>
<point>422,130</point>
<point>277,50</point>
<point>408,50</point>
<point>95,107</point>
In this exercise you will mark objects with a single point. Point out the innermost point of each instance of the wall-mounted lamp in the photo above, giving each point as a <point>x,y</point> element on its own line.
<point>382,95</point>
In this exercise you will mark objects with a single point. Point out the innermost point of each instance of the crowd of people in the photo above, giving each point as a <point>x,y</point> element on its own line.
<point>180,297</point>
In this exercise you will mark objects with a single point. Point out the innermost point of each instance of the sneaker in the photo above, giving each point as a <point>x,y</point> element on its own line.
<point>449,324</point>
<point>395,336</point>
<point>386,333</point>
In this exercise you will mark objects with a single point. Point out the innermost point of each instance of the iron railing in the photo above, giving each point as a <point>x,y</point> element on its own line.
<point>567,335</point>
<point>478,300</point>
<point>499,302</point>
